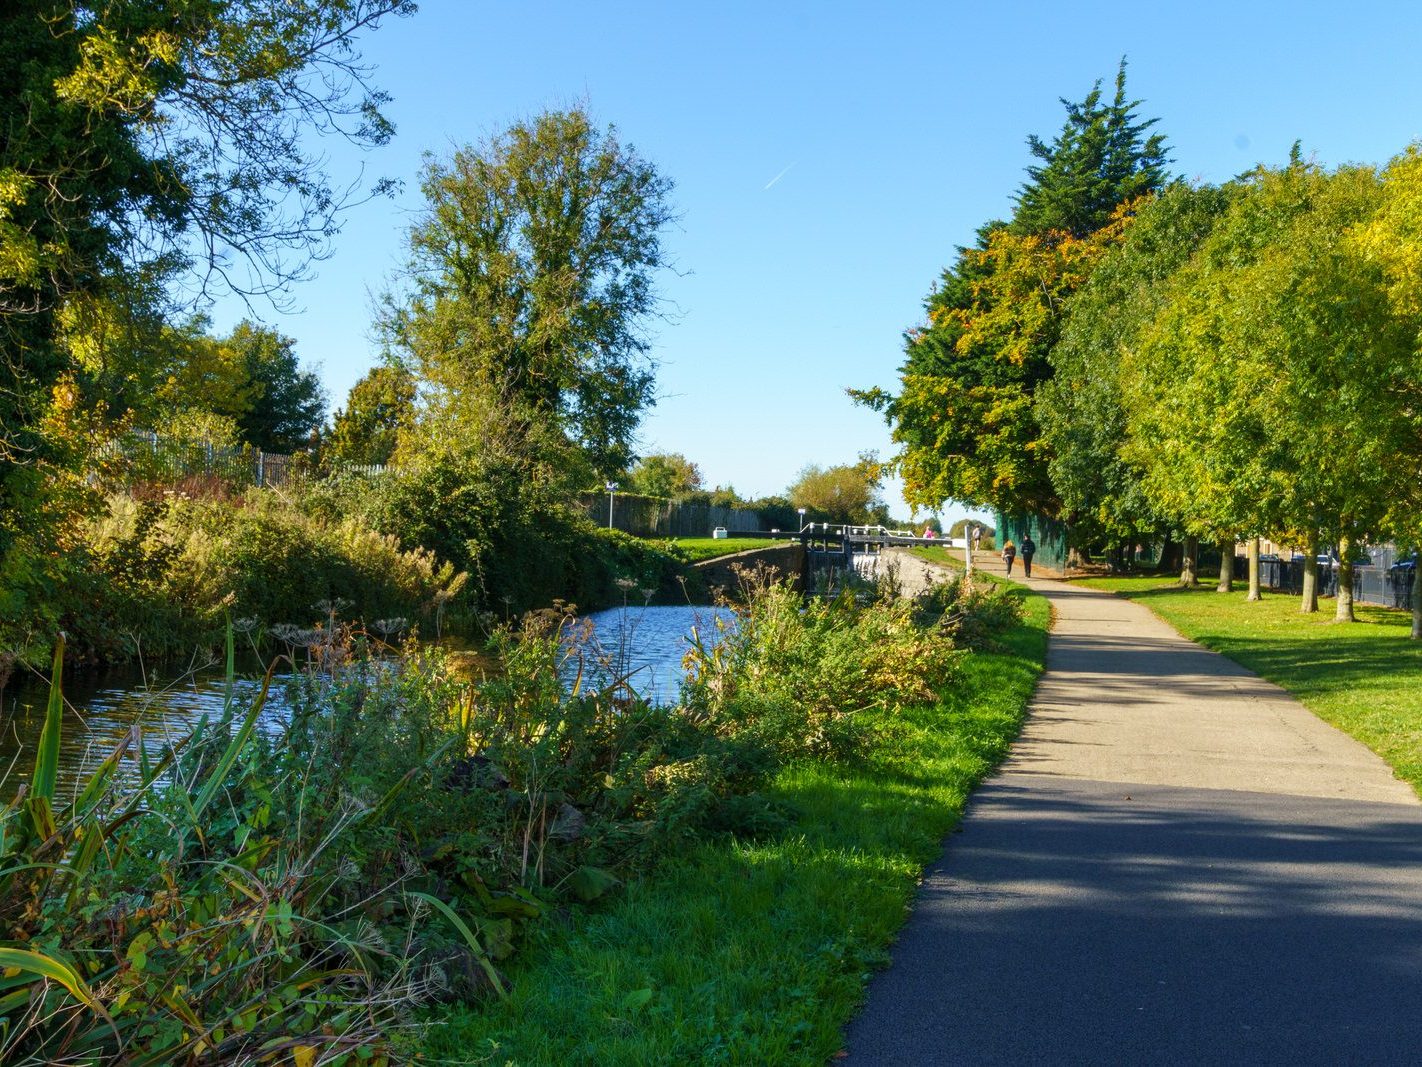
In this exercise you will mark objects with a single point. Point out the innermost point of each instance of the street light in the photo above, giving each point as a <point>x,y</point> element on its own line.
<point>802,519</point>
<point>611,489</point>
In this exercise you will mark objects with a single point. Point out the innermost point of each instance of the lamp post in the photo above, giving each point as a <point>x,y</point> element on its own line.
<point>802,519</point>
<point>611,490</point>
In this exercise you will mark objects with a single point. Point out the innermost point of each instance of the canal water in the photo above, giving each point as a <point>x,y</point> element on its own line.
<point>643,644</point>
<point>646,645</point>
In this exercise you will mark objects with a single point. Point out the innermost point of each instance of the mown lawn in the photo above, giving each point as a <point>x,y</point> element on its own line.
<point>1364,677</point>
<point>701,548</point>
<point>757,952</point>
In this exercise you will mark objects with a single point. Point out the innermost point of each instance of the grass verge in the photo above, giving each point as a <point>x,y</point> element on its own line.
<point>704,548</point>
<point>940,554</point>
<point>1363,677</point>
<point>758,951</point>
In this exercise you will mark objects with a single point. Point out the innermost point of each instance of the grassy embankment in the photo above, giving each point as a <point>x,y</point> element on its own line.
<point>943,556</point>
<point>757,951</point>
<point>1364,677</point>
<point>698,549</point>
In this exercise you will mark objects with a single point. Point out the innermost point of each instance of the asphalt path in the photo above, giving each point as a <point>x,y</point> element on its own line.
<point>1177,864</point>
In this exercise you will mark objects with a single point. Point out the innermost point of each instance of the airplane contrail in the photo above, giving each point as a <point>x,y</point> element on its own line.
<point>779,176</point>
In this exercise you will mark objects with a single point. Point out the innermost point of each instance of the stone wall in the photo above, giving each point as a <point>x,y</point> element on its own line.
<point>787,558</point>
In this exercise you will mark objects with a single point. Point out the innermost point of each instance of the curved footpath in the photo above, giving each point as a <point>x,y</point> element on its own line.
<point>1178,863</point>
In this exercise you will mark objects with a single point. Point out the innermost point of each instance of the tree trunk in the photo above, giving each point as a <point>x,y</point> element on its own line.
<point>1344,610</point>
<point>1309,602</point>
<point>1189,563</point>
<point>1226,567</point>
<point>1416,605</point>
<point>1166,562</point>
<point>1254,593</point>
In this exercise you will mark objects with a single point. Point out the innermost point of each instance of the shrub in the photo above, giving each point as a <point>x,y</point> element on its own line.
<point>164,574</point>
<point>971,612</point>
<point>800,675</point>
<point>255,898</point>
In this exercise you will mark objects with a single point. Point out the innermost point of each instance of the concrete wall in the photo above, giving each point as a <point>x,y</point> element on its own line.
<point>787,558</point>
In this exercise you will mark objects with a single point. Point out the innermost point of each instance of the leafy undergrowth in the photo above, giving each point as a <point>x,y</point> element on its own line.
<point>1364,677</point>
<point>757,951</point>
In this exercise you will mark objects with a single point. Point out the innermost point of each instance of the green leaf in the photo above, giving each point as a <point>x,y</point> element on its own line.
<point>47,761</point>
<point>37,963</point>
<point>589,883</point>
<point>234,748</point>
<point>636,1000</point>
<point>470,939</point>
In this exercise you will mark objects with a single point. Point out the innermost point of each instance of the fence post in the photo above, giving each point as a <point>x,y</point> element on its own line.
<point>261,469</point>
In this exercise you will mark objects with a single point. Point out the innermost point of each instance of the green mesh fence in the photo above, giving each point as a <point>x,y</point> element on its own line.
<point>1049,534</point>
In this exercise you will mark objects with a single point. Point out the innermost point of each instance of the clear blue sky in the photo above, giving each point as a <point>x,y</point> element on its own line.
<point>828,159</point>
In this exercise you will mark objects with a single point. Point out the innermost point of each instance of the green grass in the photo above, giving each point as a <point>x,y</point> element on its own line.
<point>1364,677</point>
<point>758,951</point>
<point>703,548</point>
<point>941,554</point>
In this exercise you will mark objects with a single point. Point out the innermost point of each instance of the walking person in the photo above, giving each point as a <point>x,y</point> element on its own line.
<point>1028,551</point>
<point>1009,553</point>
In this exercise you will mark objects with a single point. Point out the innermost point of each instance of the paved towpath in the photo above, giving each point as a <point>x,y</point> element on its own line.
<point>1177,864</point>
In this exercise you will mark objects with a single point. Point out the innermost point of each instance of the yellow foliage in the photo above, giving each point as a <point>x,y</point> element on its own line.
<point>117,75</point>
<point>1394,235</point>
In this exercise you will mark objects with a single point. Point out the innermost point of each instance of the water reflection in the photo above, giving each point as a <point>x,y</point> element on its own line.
<point>645,645</point>
<point>101,707</point>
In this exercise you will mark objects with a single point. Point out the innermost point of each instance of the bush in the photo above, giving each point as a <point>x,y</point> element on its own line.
<point>522,544</point>
<point>163,575</point>
<point>801,675</point>
<point>971,612</point>
<point>255,898</point>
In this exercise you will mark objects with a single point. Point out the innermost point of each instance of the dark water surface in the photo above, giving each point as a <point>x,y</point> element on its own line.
<point>644,644</point>
<point>101,706</point>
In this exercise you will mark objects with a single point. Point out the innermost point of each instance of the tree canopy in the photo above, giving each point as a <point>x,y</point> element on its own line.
<point>378,407</point>
<point>665,474</point>
<point>532,282</point>
<point>1103,157</point>
<point>965,418</point>
<point>155,152</point>
<point>846,493</point>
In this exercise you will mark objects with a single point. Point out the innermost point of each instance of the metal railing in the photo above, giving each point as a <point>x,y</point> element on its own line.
<point>1373,583</point>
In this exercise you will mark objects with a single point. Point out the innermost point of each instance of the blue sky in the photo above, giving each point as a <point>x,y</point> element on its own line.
<point>828,159</point>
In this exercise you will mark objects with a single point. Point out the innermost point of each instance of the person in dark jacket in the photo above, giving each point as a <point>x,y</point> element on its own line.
<point>1029,549</point>
<point>1009,553</point>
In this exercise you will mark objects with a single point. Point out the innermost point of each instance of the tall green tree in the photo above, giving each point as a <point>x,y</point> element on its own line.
<point>532,280</point>
<point>1080,407</point>
<point>285,404</point>
<point>964,418</point>
<point>846,493</point>
<point>665,474</point>
<point>1286,408</point>
<point>1104,156</point>
<point>379,406</point>
<point>1393,241</point>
